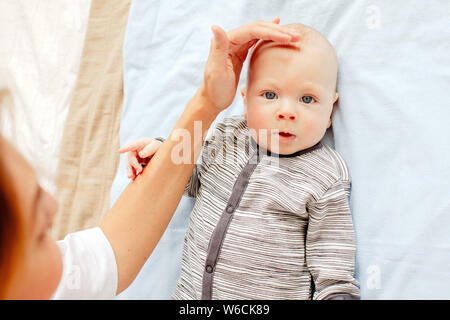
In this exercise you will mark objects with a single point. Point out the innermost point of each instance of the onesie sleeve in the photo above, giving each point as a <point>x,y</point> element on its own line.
<point>89,267</point>
<point>330,244</point>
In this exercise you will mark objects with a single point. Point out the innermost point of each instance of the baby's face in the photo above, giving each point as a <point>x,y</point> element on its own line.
<point>290,95</point>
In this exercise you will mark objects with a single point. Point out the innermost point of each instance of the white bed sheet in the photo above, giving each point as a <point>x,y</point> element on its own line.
<point>391,125</point>
<point>40,49</point>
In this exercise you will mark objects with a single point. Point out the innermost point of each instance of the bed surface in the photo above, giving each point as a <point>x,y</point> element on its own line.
<point>391,124</point>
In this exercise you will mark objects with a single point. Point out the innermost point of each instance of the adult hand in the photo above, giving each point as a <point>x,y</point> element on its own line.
<point>227,54</point>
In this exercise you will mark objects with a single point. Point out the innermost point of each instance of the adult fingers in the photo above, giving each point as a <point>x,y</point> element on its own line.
<point>135,145</point>
<point>150,149</point>
<point>262,30</point>
<point>241,54</point>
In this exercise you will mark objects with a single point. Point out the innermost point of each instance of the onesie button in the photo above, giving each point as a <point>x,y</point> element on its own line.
<point>229,209</point>
<point>209,269</point>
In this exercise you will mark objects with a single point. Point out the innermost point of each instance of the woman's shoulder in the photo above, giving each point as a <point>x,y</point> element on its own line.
<point>89,266</point>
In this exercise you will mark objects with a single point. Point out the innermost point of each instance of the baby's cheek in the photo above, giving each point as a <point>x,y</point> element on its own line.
<point>313,129</point>
<point>254,119</point>
<point>263,118</point>
<point>259,131</point>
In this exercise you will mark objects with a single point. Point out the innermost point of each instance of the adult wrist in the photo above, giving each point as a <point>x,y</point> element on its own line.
<point>202,101</point>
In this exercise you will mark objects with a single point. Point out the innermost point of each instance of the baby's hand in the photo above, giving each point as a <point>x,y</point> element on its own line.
<point>139,154</point>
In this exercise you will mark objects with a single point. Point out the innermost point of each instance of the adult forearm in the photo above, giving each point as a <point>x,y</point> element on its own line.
<point>141,214</point>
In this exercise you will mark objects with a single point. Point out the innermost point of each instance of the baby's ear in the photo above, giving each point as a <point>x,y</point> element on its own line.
<point>243,94</point>
<point>336,97</point>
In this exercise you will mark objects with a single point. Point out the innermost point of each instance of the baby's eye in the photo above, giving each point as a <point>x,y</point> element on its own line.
<point>308,99</point>
<point>270,95</point>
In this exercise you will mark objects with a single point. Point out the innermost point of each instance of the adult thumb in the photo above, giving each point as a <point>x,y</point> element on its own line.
<point>220,43</point>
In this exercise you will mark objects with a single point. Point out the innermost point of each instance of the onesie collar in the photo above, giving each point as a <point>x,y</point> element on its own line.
<point>295,154</point>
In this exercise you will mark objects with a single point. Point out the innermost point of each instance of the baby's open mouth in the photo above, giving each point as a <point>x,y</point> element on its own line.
<point>286,134</point>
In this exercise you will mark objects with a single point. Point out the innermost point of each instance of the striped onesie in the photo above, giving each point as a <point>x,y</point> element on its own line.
<point>267,226</point>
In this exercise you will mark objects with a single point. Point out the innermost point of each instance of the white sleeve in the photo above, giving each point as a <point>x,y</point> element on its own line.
<point>89,266</point>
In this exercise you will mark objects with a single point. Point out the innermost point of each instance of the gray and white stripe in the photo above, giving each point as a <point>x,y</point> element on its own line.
<point>291,235</point>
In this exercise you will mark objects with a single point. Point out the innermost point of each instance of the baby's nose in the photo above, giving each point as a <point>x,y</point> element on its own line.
<point>286,115</point>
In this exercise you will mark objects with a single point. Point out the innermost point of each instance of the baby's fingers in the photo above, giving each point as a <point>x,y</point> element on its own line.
<point>134,163</point>
<point>130,172</point>
<point>150,149</point>
<point>135,145</point>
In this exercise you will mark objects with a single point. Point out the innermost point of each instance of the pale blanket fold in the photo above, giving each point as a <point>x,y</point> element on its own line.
<point>88,158</point>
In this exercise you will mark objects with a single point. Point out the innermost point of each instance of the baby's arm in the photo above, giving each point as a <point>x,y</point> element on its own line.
<point>330,245</point>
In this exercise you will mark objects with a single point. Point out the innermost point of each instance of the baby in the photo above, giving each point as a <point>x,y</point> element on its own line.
<point>271,218</point>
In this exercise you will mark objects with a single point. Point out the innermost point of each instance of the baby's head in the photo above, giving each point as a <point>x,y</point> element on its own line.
<point>290,91</point>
